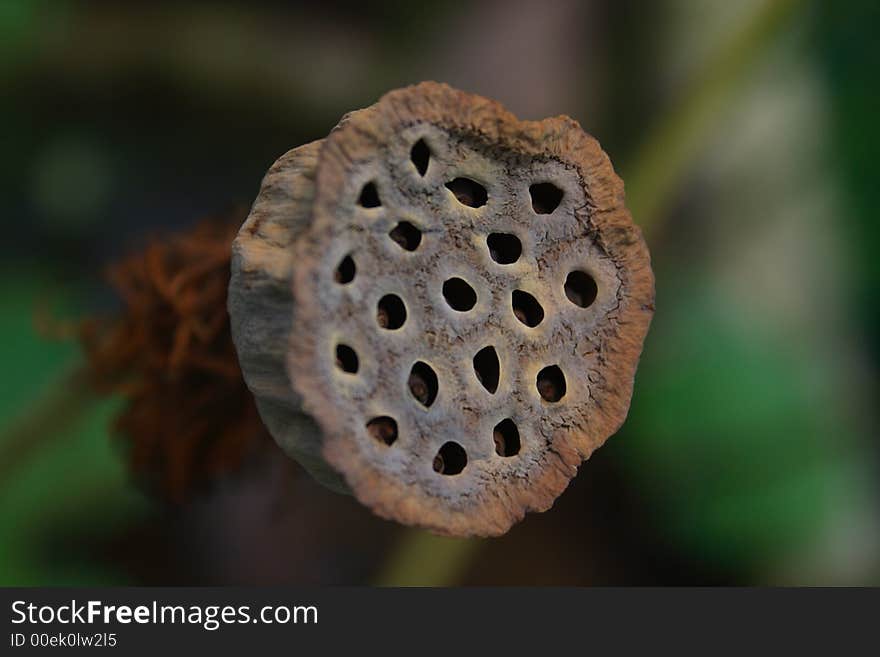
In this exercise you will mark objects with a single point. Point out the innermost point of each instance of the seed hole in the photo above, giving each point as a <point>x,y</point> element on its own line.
<point>505,249</point>
<point>459,295</point>
<point>345,271</point>
<point>551,383</point>
<point>546,197</point>
<point>383,429</point>
<point>468,192</point>
<point>506,437</point>
<point>487,368</point>
<point>423,383</point>
<point>391,313</point>
<point>407,236</point>
<point>369,197</point>
<point>420,156</point>
<point>581,289</point>
<point>346,359</point>
<point>450,460</point>
<point>527,309</point>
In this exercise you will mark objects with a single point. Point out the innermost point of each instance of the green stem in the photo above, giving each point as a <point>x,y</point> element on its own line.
<point>675,141</point>
<point>422,559</point>
<point>65,401</point>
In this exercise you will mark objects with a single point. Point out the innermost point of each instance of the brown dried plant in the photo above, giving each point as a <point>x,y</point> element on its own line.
<point>187,416</point>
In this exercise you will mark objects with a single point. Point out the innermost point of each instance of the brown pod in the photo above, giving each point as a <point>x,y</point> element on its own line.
<point>441,308</point>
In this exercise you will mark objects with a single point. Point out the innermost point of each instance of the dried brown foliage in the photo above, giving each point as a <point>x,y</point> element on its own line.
<point>188,416</point>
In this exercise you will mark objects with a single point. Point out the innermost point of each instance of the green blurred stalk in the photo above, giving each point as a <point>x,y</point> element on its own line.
<point>659,167</point>
<point>423,559</point>
<point>63,403</point>
<point>676,140</point>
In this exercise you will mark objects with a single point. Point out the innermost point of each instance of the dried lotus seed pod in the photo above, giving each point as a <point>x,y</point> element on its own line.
<point>442,307</point>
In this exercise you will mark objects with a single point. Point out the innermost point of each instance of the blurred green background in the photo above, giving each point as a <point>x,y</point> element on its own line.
<point>748,137</point>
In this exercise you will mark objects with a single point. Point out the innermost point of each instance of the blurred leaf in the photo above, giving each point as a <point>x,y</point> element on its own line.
<point>29,359</point>
<point>76,473</point>
<point>733,435</point>
<point>78,476</point>
<point>849,54</point>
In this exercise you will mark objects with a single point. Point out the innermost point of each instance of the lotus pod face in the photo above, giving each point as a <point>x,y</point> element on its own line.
<point>441,308</point>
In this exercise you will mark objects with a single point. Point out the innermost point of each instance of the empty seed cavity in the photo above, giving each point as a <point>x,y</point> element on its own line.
<point>450,460</point>
<point>504,248</point>
<point>487,368</point>
<point>546,197</point>
<point>383,429</point>
<point>581,289</point>
<point>459,295</point>
<point>423,383</point>
<point>369,197</point>
<point>526,308</point>
<point>506,437</point>
<point>391,313</point>
<point>345,271</point>
<point>420,156</point>
<point>406,235</point>
<point>468,192</point>
<point>346,359</point>
<point>551,383</point>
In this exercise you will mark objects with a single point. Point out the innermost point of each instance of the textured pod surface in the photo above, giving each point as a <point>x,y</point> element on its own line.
<point>261,305</point>
<point>459,298</point>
